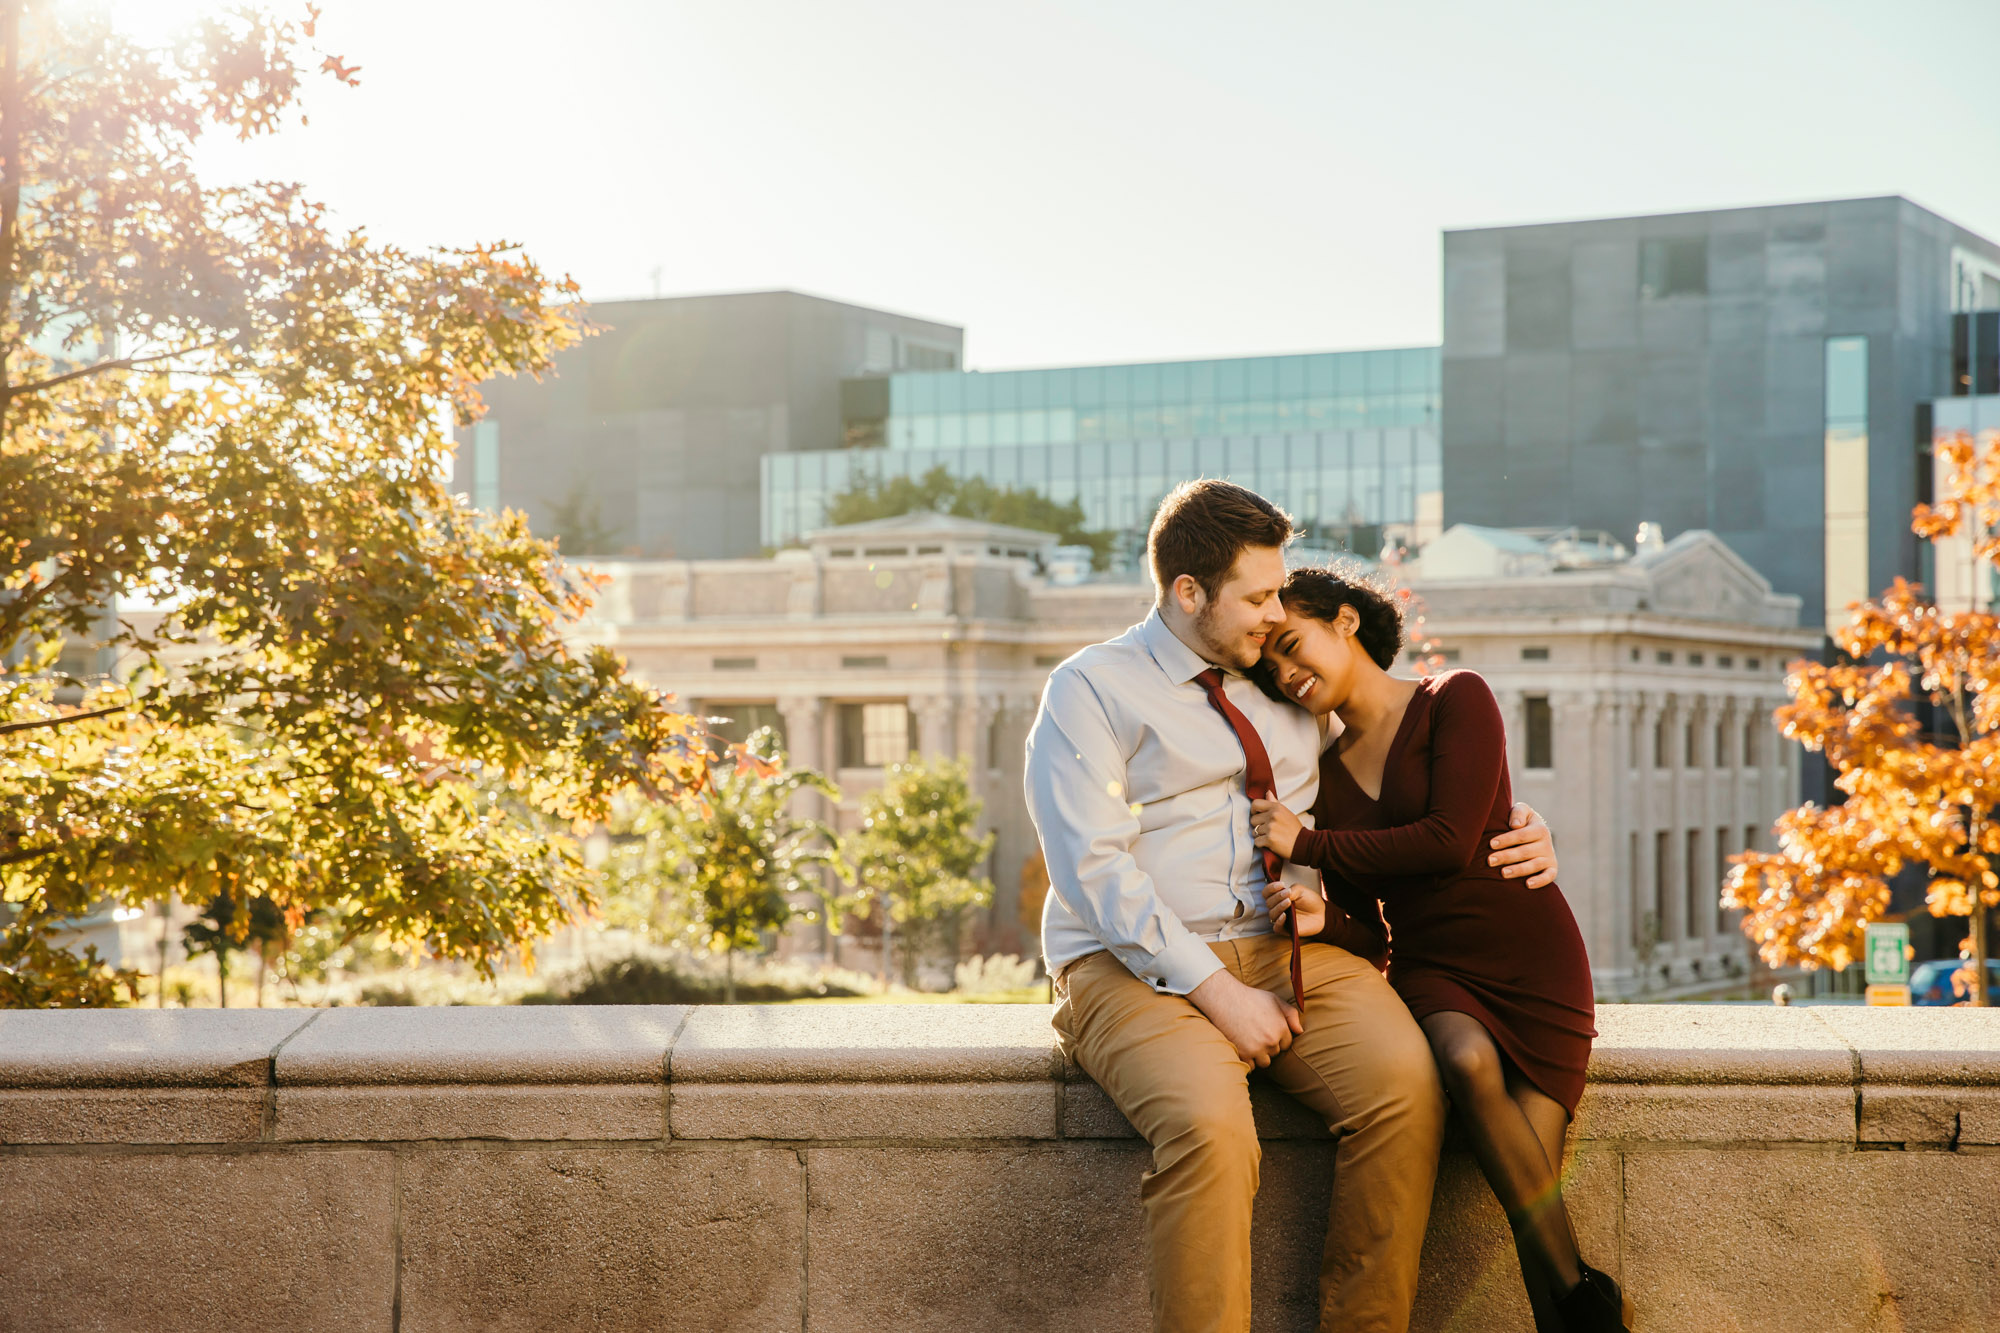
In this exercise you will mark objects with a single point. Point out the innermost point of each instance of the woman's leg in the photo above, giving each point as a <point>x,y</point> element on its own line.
<point>1511,1151</point>
<point>1551,1126</point>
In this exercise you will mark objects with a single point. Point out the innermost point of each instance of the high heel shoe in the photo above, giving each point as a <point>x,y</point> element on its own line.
<point>1593,1305</point>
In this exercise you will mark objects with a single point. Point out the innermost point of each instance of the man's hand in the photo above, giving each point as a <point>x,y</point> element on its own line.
<point>1274,826</point>
<point>1257,1023</point>
<point>1281,898</point>
<point>1526,849</point>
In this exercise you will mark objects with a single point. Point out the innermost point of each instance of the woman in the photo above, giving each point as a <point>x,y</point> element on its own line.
<point>1412,785</point>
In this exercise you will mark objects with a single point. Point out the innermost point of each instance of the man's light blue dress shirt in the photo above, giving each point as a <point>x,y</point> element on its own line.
<point>1135,785</point>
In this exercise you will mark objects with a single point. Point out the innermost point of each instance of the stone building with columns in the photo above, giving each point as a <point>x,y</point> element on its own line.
<point>1638,693</point>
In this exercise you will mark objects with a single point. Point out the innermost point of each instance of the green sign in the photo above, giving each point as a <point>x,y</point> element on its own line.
<point>1888,953</point>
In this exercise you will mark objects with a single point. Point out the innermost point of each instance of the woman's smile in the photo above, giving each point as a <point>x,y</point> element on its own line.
<point>1303,690</point>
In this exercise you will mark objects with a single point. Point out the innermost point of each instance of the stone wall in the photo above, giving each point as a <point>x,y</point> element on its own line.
<point>916,1167</point>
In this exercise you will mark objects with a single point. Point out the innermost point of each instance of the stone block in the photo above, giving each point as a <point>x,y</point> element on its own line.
<point>1926,1115</point>
<point>1711,1113</point>
<point>217,1241</point>
<point>1919,1045</point>
<point>501,1239</point>
<point>867,1043</point>
<point>863,1110</point>
<point>480,1044</point>
<point>1694,1043</point>
<point>1089,1113</point>
<point>132,1115</point>
<point>149,1048</point>
<point>997,1239</point>
<point>471,1111</point>
<point>1471,1277</point>
<point>1816,1238</point>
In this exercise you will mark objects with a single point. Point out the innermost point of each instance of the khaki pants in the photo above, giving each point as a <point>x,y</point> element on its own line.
<point>1363,1066</point>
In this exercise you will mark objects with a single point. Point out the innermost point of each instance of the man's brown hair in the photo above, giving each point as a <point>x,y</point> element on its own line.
<point>1202,526</point>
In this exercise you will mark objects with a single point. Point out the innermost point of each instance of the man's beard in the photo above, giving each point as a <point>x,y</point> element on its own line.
<point>1230,654</point>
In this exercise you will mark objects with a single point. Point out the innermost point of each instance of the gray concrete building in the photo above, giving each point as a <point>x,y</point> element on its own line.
<point>648,438</point>
<point>1758,372</point>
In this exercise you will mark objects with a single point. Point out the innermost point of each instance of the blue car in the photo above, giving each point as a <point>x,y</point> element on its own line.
<point>1931,982</point>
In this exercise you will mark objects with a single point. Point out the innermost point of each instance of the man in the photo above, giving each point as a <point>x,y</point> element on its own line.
<point>1170,981</point>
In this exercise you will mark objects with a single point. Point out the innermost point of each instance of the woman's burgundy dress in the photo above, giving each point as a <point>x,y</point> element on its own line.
<point>1462,938</point>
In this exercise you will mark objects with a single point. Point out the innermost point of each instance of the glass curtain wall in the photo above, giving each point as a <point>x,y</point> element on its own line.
<point>1846,476</point>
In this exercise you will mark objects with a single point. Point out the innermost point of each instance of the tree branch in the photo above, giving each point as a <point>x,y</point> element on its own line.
<point>9,728</point>
<point>121,363</point>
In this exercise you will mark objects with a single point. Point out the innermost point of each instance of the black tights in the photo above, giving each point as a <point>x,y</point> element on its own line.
<point>1517,1134</point>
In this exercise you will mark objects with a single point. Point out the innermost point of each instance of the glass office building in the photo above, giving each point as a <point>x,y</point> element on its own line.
<point>1346,441</point>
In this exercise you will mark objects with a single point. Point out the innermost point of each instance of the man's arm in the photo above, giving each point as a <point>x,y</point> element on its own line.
<point>1088,824</point>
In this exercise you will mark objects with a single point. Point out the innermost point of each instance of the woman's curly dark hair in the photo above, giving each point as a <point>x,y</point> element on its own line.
<point>1320,591</point>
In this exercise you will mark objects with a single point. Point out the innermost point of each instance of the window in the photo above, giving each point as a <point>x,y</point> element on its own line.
<point>1534,654</point>
<point>1664,657</point>
<point>1721,755</point>
<point>486,465</point>
<point>1677,267</point>
<point>842,552</point>
<point>736,723</point>
<point>1660,743</point>
<point>1694,659</point>
<point>1692,864</point>
<point>1635,654</point>
<point>1541,732</point>
<point>1846,471</point>
<point>1048,659</point>
<point>1750,731</point>
<point>1725,661</point>
<point>1691,749</point>
<point>1749,838</point>
<point>1753,664</point>
<point>873,662</point>
<point>872,735</point>
<point>930,550</point>
<point>872,552</point>
<point>734,663</point>
<point>1638,917</point>
<point>1662,849</point>
<point>996,741</point>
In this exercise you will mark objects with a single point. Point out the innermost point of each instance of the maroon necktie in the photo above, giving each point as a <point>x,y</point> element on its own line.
<point>1259,786</point>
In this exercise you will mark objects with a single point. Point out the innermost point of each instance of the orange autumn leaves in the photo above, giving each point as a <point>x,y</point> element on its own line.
<point>1909,722</point>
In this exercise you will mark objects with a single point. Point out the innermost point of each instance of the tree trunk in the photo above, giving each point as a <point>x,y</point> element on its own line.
<point>263,965</point>
<point>166,922</point>
<point>729,975</point>
<point>1980,997</point>
<point>222,976</point>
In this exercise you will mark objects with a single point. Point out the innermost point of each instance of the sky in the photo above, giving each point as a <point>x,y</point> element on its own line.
<point>1117,180</point>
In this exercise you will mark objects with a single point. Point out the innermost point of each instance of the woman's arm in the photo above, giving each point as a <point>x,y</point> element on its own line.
<point>1468,761</point>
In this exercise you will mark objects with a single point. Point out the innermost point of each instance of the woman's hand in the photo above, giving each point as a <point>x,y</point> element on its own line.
<point>1281,898</point>
<point>1274,826</point>
<point>1527,850</point>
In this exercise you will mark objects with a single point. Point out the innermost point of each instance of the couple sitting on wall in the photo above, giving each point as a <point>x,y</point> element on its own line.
<point>1246,820</point>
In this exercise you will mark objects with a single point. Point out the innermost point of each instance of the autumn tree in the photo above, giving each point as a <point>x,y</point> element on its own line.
<point>363,687</point>
<point>918,860</point>
<point>1909,721</point>
<point>738,854</point>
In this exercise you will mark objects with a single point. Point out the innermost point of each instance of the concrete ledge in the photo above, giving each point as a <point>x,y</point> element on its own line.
<point>863,1111</point>
<point>889,1043</point>
<point>132,1115</point>
<point>885,1167</point>
<point>477,1111</point>
<point>143,1048</point>
<point>525,1044</point>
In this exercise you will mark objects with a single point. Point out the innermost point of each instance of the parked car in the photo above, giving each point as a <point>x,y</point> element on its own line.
<point>1931,982</point>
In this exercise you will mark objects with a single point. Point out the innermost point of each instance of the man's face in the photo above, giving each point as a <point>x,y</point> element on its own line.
<point>1245,609</point>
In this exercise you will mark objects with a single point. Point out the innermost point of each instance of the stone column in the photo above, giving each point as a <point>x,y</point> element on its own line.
<point>804,716</point>
<point>934,730</point>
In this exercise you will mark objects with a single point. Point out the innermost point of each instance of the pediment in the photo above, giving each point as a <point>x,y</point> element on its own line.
<point>1698,575</point>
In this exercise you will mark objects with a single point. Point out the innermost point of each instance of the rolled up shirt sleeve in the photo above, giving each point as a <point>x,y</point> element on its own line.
<point>1079,799</point>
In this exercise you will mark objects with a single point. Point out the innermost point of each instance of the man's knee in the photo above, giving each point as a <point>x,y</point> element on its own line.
<point>1406,1090</point>
<point>1212,1138</point>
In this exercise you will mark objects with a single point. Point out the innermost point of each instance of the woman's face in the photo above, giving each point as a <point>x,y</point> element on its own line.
<point>1313,661</point>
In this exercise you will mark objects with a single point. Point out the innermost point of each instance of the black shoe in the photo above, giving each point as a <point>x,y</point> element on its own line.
<point>1593,1305</point>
